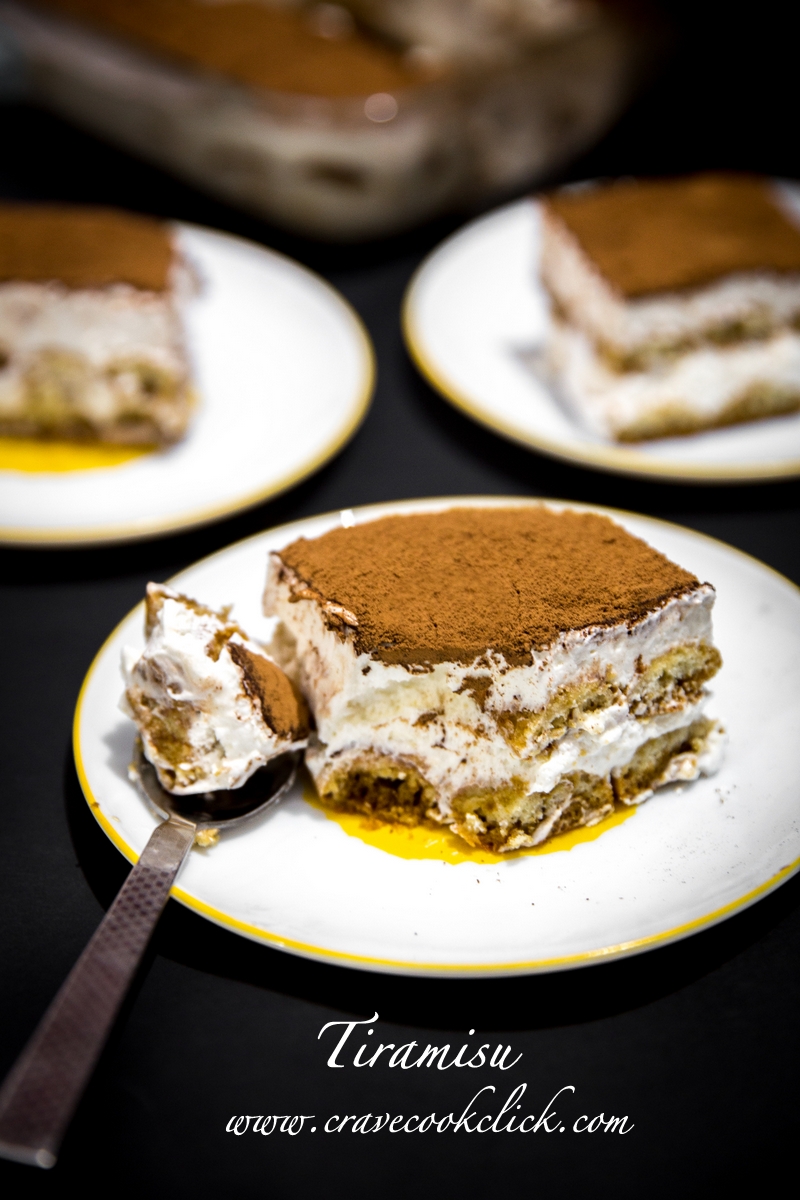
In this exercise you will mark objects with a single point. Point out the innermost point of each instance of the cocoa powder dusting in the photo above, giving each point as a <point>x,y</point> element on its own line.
<point>448,586</point>
<point>258,44</point>
<point>655,235</point>
<point>281,707</point>
<point>83,247</point>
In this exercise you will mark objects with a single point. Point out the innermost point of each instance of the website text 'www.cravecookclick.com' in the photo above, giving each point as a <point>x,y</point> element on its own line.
<point>474,1118</point>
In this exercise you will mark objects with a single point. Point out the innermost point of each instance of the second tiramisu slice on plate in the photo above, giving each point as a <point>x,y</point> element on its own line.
<point>92,345</point>
<point>676,303</point>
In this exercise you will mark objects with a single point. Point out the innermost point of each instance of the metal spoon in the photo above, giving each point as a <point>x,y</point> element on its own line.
<point>44,1087</point>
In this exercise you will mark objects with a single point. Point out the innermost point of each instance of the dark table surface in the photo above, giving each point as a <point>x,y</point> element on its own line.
<point>696,1043</point>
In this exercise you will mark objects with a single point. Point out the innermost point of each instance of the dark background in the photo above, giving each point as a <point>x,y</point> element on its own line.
<point>696,1042</point>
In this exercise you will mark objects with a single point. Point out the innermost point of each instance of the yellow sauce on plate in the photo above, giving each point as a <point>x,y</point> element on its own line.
<point>36,457</point>
<point>424,841</point>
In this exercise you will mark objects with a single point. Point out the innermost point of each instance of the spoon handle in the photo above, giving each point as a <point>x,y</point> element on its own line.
<point>45,1084</point>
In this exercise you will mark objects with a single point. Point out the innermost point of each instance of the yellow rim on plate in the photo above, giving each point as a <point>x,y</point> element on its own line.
<point>527,966</point>
<point>606,458</point>
<point>203,516</point>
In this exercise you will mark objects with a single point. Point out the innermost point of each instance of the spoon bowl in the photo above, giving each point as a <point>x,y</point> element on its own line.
<point>223,809</point>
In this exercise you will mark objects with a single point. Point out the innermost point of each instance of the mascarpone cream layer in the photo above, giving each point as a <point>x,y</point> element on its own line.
<point>224,735</point>
<point>433,719</point>
<point>98,338</point>
<point>103,325</point>
<point>702,382</point>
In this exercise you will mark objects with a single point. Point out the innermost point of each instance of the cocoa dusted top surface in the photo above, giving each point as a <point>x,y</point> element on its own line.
<point>648,236</point>
<point>253,43</point>
<point>83,247</point>
<point>448,586</point>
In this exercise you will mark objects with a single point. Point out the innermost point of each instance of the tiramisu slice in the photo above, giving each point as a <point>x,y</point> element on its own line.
<point>509,672</point>
<point>210,705</point>
<point>676,303</point>
<point>91,340</point>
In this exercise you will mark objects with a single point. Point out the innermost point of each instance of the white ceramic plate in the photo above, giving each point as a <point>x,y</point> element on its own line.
<point>284,371</point>
<point>686,859</point>
<point>475,316</point>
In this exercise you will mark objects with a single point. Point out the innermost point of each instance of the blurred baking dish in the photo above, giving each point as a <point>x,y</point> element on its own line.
<point>343,122</point>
